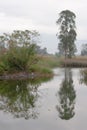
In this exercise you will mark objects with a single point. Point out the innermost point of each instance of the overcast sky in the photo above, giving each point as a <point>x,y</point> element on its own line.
<point>41,15</point>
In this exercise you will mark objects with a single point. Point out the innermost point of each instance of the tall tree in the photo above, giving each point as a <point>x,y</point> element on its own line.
<point>67,33</point>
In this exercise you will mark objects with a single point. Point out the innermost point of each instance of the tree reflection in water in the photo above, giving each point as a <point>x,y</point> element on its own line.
<point>83,76</point>
<point>19,97</point>
<point>66,96</point>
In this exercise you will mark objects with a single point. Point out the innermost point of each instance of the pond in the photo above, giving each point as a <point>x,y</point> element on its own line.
<point>47,104</point>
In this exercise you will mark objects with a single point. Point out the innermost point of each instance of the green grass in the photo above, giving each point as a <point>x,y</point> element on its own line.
<point>49,61</point>
<point>45,65</point>
<point>40,69</point>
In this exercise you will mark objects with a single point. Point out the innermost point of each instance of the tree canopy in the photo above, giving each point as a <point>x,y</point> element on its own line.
<point>67,33</point>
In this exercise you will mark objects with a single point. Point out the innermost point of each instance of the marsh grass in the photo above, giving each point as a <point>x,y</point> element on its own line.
<point>46,64</point>
<point>49,61</point>
<point>75,62</point>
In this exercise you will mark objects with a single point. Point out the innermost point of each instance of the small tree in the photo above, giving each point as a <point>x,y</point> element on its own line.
<point>67,34</point>
<point>19,38</point>
<point>19,49</point>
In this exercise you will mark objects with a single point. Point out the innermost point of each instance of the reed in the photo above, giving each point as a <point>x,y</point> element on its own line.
<point>75,62</point>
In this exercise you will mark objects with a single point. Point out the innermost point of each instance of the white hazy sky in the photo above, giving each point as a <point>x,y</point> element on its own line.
<point>41,15</point>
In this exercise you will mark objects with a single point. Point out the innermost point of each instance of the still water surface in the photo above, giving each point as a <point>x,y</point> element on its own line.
<point>55,104</point>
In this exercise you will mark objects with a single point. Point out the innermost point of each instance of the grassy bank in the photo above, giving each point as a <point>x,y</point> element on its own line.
<point>45,64</point>
<point>39,65</point>
<point>43,67</point>
<point>49,61</point>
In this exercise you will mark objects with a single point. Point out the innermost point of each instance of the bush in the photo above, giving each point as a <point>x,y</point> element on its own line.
<point>2,68</point>
<point>20,58</point>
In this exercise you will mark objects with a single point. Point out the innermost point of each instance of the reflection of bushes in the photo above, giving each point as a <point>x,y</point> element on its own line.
<point>18,97</point>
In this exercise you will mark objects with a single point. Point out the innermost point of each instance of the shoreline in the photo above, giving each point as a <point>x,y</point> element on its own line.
<point>23,75</point>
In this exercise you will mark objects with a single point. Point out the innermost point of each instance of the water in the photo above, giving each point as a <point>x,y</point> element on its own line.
<point>58,103</point>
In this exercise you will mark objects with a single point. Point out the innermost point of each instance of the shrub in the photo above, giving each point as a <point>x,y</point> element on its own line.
<point>2,68</point>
